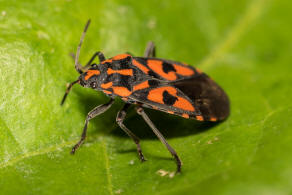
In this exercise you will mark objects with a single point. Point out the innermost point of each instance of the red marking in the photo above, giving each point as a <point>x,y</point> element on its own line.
<point>107,61</point>
<point>90,73</point>
<point>125,99</point>
<point>142,85</point>
<point>155,107</point>
<point>156,95</point>
<point>120,57</point>
<point>199,118</point>
<point>140,66</point>
<point>156,66</point>
<point>121,91</point>
<point>170,112</point>
<point>107,92</point>
<point>184,104</point>
<point>106,85</point>
<point>185,115</point>
<point>213,119</point>
<point>185,71</point>
<point>127,72</point>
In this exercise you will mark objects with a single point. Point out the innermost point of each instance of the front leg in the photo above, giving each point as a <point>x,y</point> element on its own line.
<point>92,114</point>
<point>100,55</point>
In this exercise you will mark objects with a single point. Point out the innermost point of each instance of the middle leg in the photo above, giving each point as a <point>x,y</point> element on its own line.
<point>92,114</point>
<point>120,119</point>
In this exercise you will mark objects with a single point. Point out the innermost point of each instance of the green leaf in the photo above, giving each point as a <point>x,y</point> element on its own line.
<point>244,45</point>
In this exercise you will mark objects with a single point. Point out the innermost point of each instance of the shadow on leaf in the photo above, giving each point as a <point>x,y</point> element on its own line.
<point>169,125</point>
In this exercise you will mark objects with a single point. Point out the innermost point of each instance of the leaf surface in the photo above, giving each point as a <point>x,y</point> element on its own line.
<point>243,45</point>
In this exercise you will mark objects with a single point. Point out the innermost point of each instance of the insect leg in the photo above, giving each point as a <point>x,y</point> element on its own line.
<point>150,50</point>
<point>141,112</point>
<point>88,64</point>
<point>93,113</point>
<point>120,119</point>
<point>100,57</point>
<point>67,91</point>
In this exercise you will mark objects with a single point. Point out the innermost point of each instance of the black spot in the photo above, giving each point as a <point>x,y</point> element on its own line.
<point>124,81</point>
<point>168,99</point>
<point>167,67</point>
<point>151,73</point>
<point>141,60</point>
<point>124,63</point>
<point>153,83</point>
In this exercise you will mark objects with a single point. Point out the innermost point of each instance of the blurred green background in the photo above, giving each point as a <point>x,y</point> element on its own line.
<point>244,45</point>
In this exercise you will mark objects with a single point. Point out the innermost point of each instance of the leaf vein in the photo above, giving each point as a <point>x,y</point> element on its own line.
<point>36,153</point>
<point>107,167</point>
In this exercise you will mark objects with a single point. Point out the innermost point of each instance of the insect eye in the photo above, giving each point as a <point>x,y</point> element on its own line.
<point>93,84</point>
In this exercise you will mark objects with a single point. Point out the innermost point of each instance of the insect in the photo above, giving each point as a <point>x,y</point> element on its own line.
<point>150,82</point>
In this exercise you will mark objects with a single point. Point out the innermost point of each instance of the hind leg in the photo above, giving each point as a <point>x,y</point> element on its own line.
<point>150,50</point>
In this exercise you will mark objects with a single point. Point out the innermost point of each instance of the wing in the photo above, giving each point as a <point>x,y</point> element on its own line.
<point>162,96</point>
<point>197,97</point>
<point>166,70</point>
<point>207,96</point>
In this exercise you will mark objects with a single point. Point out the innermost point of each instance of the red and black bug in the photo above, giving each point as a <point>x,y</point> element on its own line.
<point>150,82</point>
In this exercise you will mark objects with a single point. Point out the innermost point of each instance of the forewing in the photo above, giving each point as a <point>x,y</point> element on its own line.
<point>163,96</point>
<point>197,97</point>
<point>166,70</point>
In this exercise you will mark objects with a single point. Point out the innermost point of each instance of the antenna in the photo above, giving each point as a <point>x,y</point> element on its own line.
<point>78,67</point>
<point>68,90</point>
